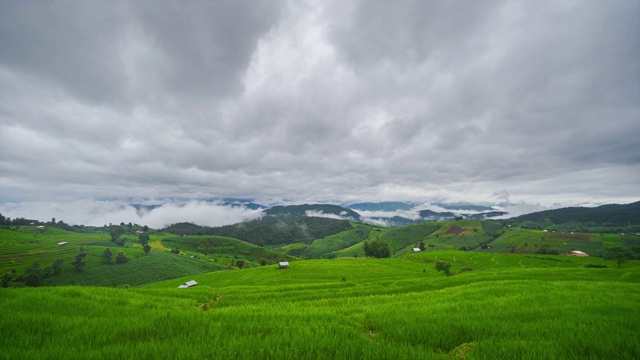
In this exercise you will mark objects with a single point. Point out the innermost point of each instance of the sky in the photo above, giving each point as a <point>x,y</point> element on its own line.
<point>522,102</point>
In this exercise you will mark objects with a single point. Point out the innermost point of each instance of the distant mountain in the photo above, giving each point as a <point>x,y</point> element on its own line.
<point>608,215</point>
<point>247,203</point>
<point>465,207</point>
<point>305,210</point>
<point>447,215</point>
<point>382,206</point>
<point>428,214</point>
<point>485,215</point>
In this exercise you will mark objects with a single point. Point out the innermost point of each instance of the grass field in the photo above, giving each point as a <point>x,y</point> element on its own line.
<point>156,266</point>
<point>220,247</point>
<point>507,307</point>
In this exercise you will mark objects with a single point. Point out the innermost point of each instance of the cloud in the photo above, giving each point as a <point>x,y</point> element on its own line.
<point>335,100</point>
<point>313,213</point>
<point>99,213</point>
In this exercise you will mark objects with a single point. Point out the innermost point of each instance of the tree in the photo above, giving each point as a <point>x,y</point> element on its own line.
<point>78,262</point>
<point>107,256</point>
<point>240,263</point>
<point>617,253</point>
<point>57,266</point>
<point>8,279</point>
<point>145,228</point>
<point>444,266</point>
<point>146,248</point>
<point>115,233</point>
<point>421,246</point>
<point>121,257</point>
<point>377,248</point>
<point>33,274</point>
<point>263,262</point>
<point>143,238</point>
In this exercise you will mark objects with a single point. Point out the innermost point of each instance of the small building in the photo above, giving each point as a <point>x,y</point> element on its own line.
<point>41,228</point>
<point>283,264</point>
<point>578,253</point>
<point>188,284</point>
<point>64,243</point>
<point>416,250</point>
<point>545,230</point>
<point>139,232</point>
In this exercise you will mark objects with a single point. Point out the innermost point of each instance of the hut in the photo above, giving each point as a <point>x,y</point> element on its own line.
<point>283,264</point>
<point>188,284</point>
<point>416,250</point>
<point>64,243</point>
<point>578,253</point>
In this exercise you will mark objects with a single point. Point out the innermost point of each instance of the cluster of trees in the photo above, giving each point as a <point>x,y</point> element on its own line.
<point>377,248</point>
<point>621,254</point>
<point>33,275</point>
<point>107,257</point>
<point>20,221</point>
<point>116,233</point>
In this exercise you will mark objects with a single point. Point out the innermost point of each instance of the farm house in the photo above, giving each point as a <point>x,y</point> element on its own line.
<point>578,253</point>
<point>188,284</point>
<point>64,243</point>
<point>416,250</point>
<point>283,264</point>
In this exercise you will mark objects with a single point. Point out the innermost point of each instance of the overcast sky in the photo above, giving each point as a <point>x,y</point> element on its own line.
<point>343,101</point>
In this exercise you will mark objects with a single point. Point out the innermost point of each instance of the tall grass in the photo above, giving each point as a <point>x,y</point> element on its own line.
<point>351,309</point>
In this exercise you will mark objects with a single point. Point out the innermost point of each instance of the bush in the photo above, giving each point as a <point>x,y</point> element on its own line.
<point>121,257</point>
<point>597,266</point>
<point>377,248</point>
<point>444,266</point>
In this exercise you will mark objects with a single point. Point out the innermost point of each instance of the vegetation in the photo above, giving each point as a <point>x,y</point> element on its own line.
<point>618,253</point>
<point>506,295</point>
<point>377,249</point>
<point>269,230</point>
<point>352,308</point>
<point>218,247</point>
<point>605,215</point>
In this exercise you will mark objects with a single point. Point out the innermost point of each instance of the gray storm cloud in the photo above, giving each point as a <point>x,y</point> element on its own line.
<point>358,100</point>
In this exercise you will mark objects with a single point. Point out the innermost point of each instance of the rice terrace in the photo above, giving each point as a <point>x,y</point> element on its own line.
<point>453,289</point>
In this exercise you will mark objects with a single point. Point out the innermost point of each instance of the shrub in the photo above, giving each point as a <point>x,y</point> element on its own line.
<point>444,266</point>
<point>597,266</point>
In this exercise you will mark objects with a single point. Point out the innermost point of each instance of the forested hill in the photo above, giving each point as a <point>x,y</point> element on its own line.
<point>608,215</point>
<point>269,229</point>
<point>309,210</point>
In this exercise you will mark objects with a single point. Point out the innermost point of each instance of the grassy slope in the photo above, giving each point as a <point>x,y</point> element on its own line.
<point>385,308</point>
<point>337,242</point>
<point>220,246</point>
<point>19,248</point>
<point>156,266</point>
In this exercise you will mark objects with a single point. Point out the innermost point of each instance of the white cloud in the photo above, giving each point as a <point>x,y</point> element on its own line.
<point>98,213</point>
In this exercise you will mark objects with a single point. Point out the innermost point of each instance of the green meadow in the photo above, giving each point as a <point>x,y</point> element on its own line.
<point>501,307</point>
<point>508,296</point>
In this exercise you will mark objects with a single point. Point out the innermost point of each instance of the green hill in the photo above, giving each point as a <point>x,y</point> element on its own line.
<point>605,215</point>
<point>269,230</point>
<point>505,307</point>
<point>220,246</point>
<point>156,266</point>
<point>325,246</point>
